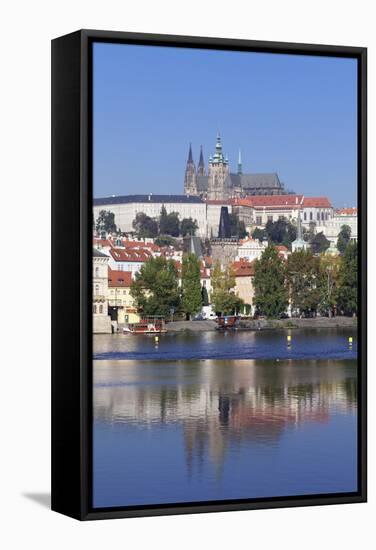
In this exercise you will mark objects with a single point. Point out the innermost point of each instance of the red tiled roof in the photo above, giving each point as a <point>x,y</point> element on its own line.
<point>243,268</point>
<point>316,202</point>
<point>119,278</point>
<point>347,211</point>
<point>279,201</point>
<point>130,255</point>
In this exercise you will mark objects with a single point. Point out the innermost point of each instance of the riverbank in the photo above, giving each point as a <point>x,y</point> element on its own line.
<point>267,324</point>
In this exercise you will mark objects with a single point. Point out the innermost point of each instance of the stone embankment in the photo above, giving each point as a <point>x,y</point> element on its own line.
<point>266,324</point>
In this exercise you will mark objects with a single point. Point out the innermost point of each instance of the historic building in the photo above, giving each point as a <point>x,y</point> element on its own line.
<point>127,207</point>
<point>101,319</point>
<point>219,183</point>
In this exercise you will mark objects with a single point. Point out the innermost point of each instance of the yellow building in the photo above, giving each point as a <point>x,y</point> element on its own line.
<point>121,305</point>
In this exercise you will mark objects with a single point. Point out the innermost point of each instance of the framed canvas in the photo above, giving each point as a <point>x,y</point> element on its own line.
<point>208,274</point>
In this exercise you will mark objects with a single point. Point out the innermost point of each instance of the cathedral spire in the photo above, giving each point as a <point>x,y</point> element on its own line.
<point>240,165</point>
<point>190,156</point>
<point>201,164</point>
<point>190,181</point>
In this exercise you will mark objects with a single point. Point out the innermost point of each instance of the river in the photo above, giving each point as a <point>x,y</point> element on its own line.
<point>219,416</point>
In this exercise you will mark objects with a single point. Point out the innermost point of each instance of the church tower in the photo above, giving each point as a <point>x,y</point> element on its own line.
<point>218,172</point>
<point>190,180</point>
<point>201,165</point>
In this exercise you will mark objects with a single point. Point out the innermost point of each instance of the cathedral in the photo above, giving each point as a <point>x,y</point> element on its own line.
<point>218,183</point>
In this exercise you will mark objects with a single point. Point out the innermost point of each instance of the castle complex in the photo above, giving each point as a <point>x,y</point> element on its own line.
<point>221,184</point>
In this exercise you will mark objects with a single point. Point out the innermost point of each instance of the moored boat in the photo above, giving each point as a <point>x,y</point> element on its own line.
<point>147,325</point>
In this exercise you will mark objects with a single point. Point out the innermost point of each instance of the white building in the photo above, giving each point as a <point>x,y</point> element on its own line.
<point>127,207</point>
<point>251,249</point>
<point>101,319</point>
<point>343,216</point>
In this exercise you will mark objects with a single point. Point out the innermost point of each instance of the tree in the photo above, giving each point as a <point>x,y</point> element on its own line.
<point>191,285</point>
<point>260,234</point>
<point>270,296</point>
<point>281,232</point>
<point>204,296</point>
<point>223,296</point>
<point>166,240</point>
<point>237,226</point>
<point>319,243</point>
<point>330,269</point>
<point>344,237</point>
<point>188,227</point>
<point>155,288</point>
<point>145,227</point>
<point>309,234</point>
<point>347,296</point>
<point>305,280</point>
<point>106,222</point>
<point>169,223</point>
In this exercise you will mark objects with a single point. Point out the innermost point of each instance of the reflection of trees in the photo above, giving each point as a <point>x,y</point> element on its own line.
<point>222,404</point>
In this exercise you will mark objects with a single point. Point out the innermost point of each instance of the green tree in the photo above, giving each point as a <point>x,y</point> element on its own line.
<point>347,296</point>
<point>344,237</point>
<point>260,234</point>
<point>188,227</point>
<point>319,243</point>
<point>281,232</point>
<point>237,226</point>
<point>223,296</point>
<point>305,281</point>
<point>191,285</point>
<point>145,227</point>
<point>204,296</point>
<point>330,269</point>
<point>166,240</point>
<point>270,297</point>
<point>155,288</point>
<point>106,222</point>
<point>169,223</point>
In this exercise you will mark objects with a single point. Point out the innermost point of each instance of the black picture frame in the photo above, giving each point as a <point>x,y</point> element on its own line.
<point>71,271</point>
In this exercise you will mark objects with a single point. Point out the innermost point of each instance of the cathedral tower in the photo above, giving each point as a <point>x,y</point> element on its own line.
<point>201,165</point>
<point>218,172</point>
<point>190,179</point>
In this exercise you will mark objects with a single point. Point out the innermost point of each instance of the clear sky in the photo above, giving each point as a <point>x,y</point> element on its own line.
<point>294,115</point>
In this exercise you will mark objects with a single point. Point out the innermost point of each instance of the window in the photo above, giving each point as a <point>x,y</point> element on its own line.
<point>101,309</point>
<point>310,216</point>
<point>258,220</point>
<point>318,216</point>
<point>270,218</point>
<point>94,309</point>
<point>96,289</point>
<point>97,271</point>
<point>305,216</point>
<point>322,215</point>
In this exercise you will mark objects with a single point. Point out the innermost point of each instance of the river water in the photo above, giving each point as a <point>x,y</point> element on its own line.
<point>219,416</point>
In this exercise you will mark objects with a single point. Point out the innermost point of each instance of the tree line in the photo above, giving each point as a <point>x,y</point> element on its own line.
<point>311,284</point>
<point>166,224</point>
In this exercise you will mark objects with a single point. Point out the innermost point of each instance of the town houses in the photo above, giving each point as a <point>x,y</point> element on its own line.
<point>213,201</point>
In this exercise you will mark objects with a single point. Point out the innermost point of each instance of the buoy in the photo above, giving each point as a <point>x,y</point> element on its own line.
<point>289,339</point>
<point>156,339</point>
<point>350,340</point>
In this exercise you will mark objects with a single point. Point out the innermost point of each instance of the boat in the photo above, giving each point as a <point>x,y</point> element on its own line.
<point>227,321</point>
<point>147,325</point>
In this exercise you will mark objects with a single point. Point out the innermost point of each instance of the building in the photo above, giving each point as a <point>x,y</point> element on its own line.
<point>127,207</point>
<point>257,211</point>
<point>342,216</point>
<point>101,319</point>
<point>220,183</point>
<point>128,259</point>
<point>299,243</point>
<point>244,272</point>
<point>121,305</point>
<point>251,249</point>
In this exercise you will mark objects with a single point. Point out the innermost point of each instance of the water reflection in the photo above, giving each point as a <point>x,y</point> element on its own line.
<point>226,408</point>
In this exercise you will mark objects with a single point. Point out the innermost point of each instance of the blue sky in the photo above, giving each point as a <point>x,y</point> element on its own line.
<point>294,115</point>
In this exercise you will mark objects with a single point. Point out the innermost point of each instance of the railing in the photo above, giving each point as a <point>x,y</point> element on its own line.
<point>99,298</point>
